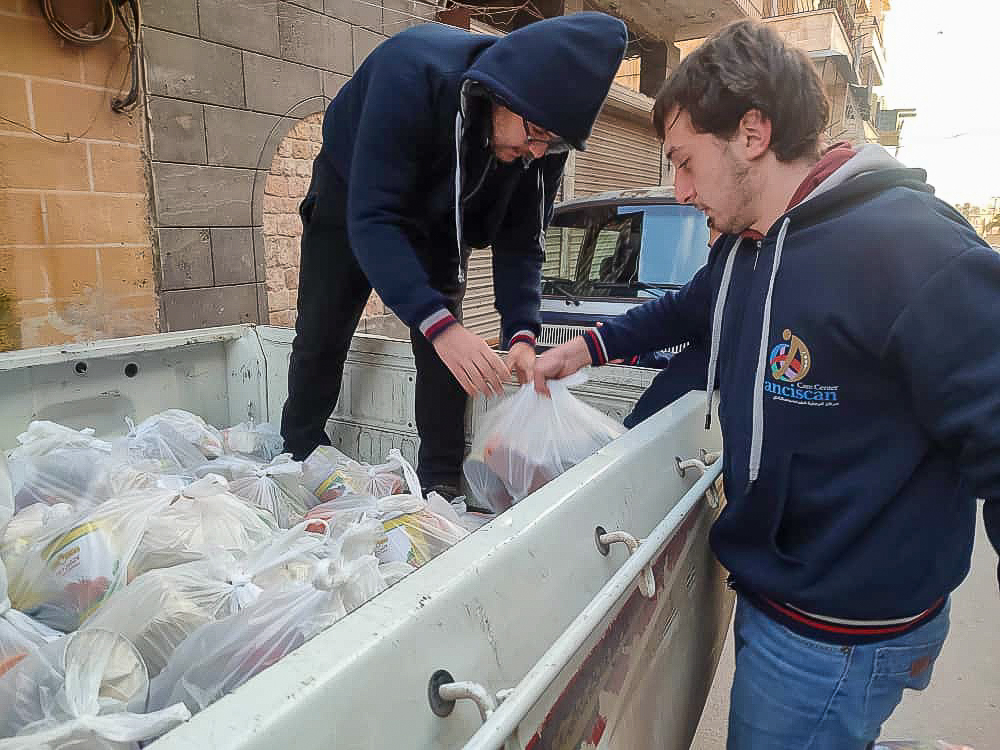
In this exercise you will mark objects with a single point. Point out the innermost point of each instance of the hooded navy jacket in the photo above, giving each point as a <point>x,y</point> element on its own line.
<point>404,131</point>
<point>858,368</point>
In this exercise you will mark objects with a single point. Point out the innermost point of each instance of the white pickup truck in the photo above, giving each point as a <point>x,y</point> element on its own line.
<point>539,630</point>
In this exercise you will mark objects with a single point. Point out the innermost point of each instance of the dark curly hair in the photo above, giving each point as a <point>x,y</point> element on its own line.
<point>747,65</point>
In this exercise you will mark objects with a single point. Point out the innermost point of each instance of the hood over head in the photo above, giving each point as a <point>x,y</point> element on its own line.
<point>555,73</point>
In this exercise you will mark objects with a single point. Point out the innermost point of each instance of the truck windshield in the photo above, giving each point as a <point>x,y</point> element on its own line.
<point>625,251</point>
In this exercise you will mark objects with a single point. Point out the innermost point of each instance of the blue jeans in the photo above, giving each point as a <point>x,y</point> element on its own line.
<point>793,693</point>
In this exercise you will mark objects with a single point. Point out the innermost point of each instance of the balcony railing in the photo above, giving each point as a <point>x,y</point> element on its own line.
<point>844,9</point>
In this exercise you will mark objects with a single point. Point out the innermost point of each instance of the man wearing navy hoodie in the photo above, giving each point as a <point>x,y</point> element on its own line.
<point>851,320</point>
<point>442,141</point>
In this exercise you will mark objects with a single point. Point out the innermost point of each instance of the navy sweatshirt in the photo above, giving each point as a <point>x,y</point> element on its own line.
<point>877,390</point>
<point>396,136</point>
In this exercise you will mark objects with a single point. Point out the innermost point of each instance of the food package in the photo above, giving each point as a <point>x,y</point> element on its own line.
<point>202,517</point>
<point>220,656</point>
<point>157,447</point>
<point>67,570</point>
<point>195,430</point>
<point>276,488</point>
<point>457,512</point>
<point>161,608</point>
<point>260,441</point>
<point>74,475</point>
<point>329,474</point>
<point>77,692</point>
<point>230,467</point>
<point>413,534</point>
<point>43,437</point>
<point>529,439</point>
<point>19,634</point>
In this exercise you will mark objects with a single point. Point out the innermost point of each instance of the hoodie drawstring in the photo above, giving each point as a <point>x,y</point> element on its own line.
<point>720,305</point>
<point>757,430</point>
<point>757,435</point>
<point>459,119</point>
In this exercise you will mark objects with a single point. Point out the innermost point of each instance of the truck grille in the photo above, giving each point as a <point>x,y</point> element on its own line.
<point>553,335</point>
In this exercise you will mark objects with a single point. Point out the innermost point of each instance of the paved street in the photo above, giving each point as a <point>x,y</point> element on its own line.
<point>962,704</point>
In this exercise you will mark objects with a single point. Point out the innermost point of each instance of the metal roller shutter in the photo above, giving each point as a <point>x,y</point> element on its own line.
<point>478,311</point>
<point>621,153</point>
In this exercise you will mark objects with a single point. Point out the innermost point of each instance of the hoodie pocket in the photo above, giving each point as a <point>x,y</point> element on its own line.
<point>778,520</point>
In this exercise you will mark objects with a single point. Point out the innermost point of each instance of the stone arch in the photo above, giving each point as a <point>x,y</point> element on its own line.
<point>286,184</point>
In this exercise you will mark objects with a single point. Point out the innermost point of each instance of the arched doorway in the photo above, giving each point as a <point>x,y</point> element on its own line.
<point>286,186</point>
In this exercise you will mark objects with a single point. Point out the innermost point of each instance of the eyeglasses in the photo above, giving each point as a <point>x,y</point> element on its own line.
<point>553,144</point>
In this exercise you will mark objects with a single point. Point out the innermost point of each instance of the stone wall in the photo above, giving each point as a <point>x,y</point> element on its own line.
<point>228,80</point>
<point>76,259</point>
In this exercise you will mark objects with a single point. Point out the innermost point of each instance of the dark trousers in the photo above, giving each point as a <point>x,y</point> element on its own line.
<point>333,291</point>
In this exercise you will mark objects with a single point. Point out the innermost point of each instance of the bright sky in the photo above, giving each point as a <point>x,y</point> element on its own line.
<point>942,59</point>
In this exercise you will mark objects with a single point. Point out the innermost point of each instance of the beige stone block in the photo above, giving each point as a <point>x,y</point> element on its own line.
<point>98,219</point>
<point>36,163</point>
<point>14,95</point>
<point>29,46</point>
<point>126,271</point>
<point>276,186</point>
<point>117,168</point>
<point>49,272</point>
<point>62,110</point>
<point>21,220</point>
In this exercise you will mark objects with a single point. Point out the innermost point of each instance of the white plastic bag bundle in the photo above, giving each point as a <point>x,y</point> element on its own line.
<point>191,427</point>
<point>260,441</point>
<point>55,464</point>
<point>74,476</point>
<point>65,572</point>
<point>276,488</point>
<point>230,467</point>
<point>329,475</point>
<point>159,609</point>
<point>43,437</point>
<point>220,656</point>
<point>26,527</point>
<point>204,516</point>
<point>19,634</point>
<point>157,447</point>
<point>76,692</point>
<point>413,532</point>
<point>529,439</point>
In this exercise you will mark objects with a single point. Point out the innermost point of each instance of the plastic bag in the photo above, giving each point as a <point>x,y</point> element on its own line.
<point>75,475</point>
<point>68,570</point>
<point>202,517</point>
<point>159,609</point>
<point>529,439</point>
<point>43,437</point>
<point>191,427</point>
<point>26,527</point>
<point>220,656</point>
<point>261,441</point>
<point>329,474</point>
<point>76,692</point>
<point>458,513</point>
<point>230,467</point>
<point>413,534</point>
<point>157,447</point>
<point>276,488</point>
<point>19,634</point>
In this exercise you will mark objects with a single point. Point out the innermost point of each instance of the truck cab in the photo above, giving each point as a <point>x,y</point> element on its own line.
<point>609,252</point>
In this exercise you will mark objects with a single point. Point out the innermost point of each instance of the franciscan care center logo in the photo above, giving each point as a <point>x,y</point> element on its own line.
<point>790,362</point>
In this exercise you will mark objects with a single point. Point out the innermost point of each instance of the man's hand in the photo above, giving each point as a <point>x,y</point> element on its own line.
<point>521,361</point>
<point>476,367</point>
<point>560,362</point>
